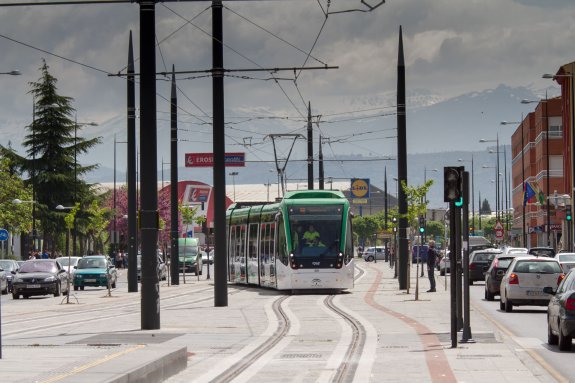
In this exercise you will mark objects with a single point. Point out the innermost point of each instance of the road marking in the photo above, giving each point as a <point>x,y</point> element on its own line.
<point>93,364</point>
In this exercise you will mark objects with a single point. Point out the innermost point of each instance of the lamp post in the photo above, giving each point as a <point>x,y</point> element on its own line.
<point>234,174</point>
<point>497,207</point>
<point>571,130</point>
<point>60,207</point>
<point>12,73</point>
<point>472,192</point>
<point>504,190</point>
<point>114,229</point>
<point>546,122</point>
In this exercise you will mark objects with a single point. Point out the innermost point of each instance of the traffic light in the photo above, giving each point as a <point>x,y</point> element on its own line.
<point>421,224</point>
<point>568,215</point>
<point>453,184</point>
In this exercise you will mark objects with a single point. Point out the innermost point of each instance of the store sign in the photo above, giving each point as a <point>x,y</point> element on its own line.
<point>206,160</point>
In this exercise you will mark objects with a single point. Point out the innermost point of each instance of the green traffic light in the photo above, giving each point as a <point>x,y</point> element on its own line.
<point>421,229</point>
<point>460,202</point>
<point>568,217</point>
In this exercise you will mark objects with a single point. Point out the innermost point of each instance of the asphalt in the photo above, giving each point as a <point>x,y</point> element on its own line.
<point>408,340</point>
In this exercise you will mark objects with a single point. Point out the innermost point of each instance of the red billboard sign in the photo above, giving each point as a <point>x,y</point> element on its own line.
<point>197,160</point>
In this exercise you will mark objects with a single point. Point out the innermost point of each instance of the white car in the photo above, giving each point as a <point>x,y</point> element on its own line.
<point>371,253</point>
<point>523,283</point>
<point>521,250</point>
<point>566,260</point>
<point>63,261</point>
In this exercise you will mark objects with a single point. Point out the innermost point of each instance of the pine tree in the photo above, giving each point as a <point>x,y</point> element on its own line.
<point>485,208</point>
<point>52,147</point>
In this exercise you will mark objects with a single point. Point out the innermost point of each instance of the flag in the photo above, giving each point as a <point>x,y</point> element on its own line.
<point>528,193</point>
<point>540,194</point>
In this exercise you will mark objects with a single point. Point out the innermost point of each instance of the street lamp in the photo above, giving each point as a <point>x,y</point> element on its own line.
<point>547,192</point>
<point>504,190</point>
<point>12,73</point>
<point>234,174</point>
<point>60,207</point>
<point>496,176</point>
<point>472,192</point>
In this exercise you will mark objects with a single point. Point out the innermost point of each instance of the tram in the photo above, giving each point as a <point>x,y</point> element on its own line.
<point>270,245</point>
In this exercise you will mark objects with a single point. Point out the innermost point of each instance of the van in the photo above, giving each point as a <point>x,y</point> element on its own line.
<point>189,255</point>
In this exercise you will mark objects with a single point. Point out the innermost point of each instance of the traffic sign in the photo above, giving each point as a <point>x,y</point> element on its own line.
<point>3,235</point>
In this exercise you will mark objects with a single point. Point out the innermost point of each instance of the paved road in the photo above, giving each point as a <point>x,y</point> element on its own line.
<point>374,333</point>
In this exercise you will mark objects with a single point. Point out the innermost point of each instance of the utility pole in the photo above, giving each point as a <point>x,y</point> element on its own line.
<point>309,149</point>
<point>132,195</point>
<point>320,166</point>
<point>403,256</point>
<point>174,232</point>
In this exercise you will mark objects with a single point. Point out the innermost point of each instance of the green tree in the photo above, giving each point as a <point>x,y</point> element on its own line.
<point>365,227</point>
<point>52,147</point>
<point>416,202</point>
<point>485,208</point>
<point>435,229</point>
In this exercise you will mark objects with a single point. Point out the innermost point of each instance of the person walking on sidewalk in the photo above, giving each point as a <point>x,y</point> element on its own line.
<point>431,259</point>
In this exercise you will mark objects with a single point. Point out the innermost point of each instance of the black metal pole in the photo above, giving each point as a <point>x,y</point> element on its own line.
<point>466,336</point>
<point>458,269</point>
<point>547,191</point>
<point>523,231</point>
<point>403,256</point>
<point>479,207</point>
<point>453,282</point>
<point>472,196</point>
<point>309,149</point>
<point>74,250</point>
<point>174,232</point>
<point>114,228</point>
<point>320,166</point>
<point>385,206</point>
<point>132,195</point>
<point>220,252</point>
<point>149,218</point>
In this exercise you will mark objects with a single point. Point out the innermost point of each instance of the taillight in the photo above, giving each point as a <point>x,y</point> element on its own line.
<point>495,262</point>
<point>339,261</point>
<point>292,261</point>
<point>570,304</point>
<point>513,279</point>
<point>561,277</point>
<point>472,266</point>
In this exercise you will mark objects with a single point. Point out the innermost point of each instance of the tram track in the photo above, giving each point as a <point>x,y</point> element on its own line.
<point>279,334</point>
<point>348,365</point>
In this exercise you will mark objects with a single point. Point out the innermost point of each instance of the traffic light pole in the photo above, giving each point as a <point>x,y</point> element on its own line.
<point>466,337</point>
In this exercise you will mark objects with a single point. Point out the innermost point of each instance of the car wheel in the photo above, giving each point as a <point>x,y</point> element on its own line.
<point>552,339</point>
<point>501,303</point>
<point>82,288</point>
<point>75,288</point>
<point>25,296</point>
<point>5,291</point>
<point>370,258</point>
<point>564,340</point>
<point>488,295</point>
<point>508,306</point>
<point>15,296</point>
<point>58,290</point>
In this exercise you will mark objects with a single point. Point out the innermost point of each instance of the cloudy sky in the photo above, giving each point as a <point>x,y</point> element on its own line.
<point>452,47</point>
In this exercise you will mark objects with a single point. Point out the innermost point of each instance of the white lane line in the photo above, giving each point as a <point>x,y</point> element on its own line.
<point>248,374</point>
<point>248,349</point>
<point>340,349</point>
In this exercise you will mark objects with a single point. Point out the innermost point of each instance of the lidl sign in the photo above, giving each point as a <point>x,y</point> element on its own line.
<point>359,188</point>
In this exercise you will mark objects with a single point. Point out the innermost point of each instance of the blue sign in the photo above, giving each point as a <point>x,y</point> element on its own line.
<point>3,235</point>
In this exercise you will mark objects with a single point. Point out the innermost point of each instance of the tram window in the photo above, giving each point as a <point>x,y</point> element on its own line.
<point>282,242</point>
<point>272,242</point>
<point>348,242</point>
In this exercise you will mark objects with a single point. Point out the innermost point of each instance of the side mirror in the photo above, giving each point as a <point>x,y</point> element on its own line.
<point>549,290</point>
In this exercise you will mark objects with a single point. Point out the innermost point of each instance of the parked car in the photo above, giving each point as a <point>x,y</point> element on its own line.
<point>95,270</point>
<point>162,268</point>
<point>561,313</point>
<point>566,260</point>
<point>40,277</point>
<point>73,264</point>
<point>189,255</point>
<point>520,250</point>
<point>10,268</point>
<point>3,282</point>
<point>495,273</point>
<point>542,251</point>
<point>525,279</point>
<point>371,253</point>
<point>208,257</point>
<point>479,262</point>
<point>444,264</point>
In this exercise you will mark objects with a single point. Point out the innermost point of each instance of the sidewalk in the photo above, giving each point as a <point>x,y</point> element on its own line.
<point>406,341</point>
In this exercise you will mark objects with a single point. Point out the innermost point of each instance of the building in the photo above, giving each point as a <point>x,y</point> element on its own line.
<point>537,159</point>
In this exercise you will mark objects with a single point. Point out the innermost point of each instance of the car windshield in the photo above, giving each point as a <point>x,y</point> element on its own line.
<point>542,252</point>
<point>567,257</point>
<point>64,261</point>
<point>41,266</point>
<point>537,267</point>
<point>7,265</point>
<point>483,257</point>
<point>517,250</point>
<point>504,263</point>
<point>85,263</point>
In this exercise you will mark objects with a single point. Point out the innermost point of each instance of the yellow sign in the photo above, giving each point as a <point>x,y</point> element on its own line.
<point>359,188</point>
<point>359,201</point>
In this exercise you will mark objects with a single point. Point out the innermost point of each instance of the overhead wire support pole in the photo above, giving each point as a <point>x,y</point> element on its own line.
<point>309,149</point>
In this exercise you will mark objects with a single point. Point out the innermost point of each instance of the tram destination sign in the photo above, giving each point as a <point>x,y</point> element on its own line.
<point>206,160</point>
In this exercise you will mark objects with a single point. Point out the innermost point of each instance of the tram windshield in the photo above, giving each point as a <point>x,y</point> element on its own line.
<point>315,230</point>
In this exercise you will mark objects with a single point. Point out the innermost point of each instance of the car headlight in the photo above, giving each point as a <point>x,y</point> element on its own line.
<point>103,275</point>
<point>50,279</point>
<point>18,279</point>
<point>77,276</point>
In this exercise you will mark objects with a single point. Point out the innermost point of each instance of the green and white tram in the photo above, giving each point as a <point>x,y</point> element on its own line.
<point>303,242</point>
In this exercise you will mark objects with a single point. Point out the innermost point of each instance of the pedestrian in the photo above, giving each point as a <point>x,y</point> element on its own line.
<point>431,259</point>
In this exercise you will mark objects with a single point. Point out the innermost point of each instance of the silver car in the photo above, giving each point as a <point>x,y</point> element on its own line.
<point>372,253</point>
